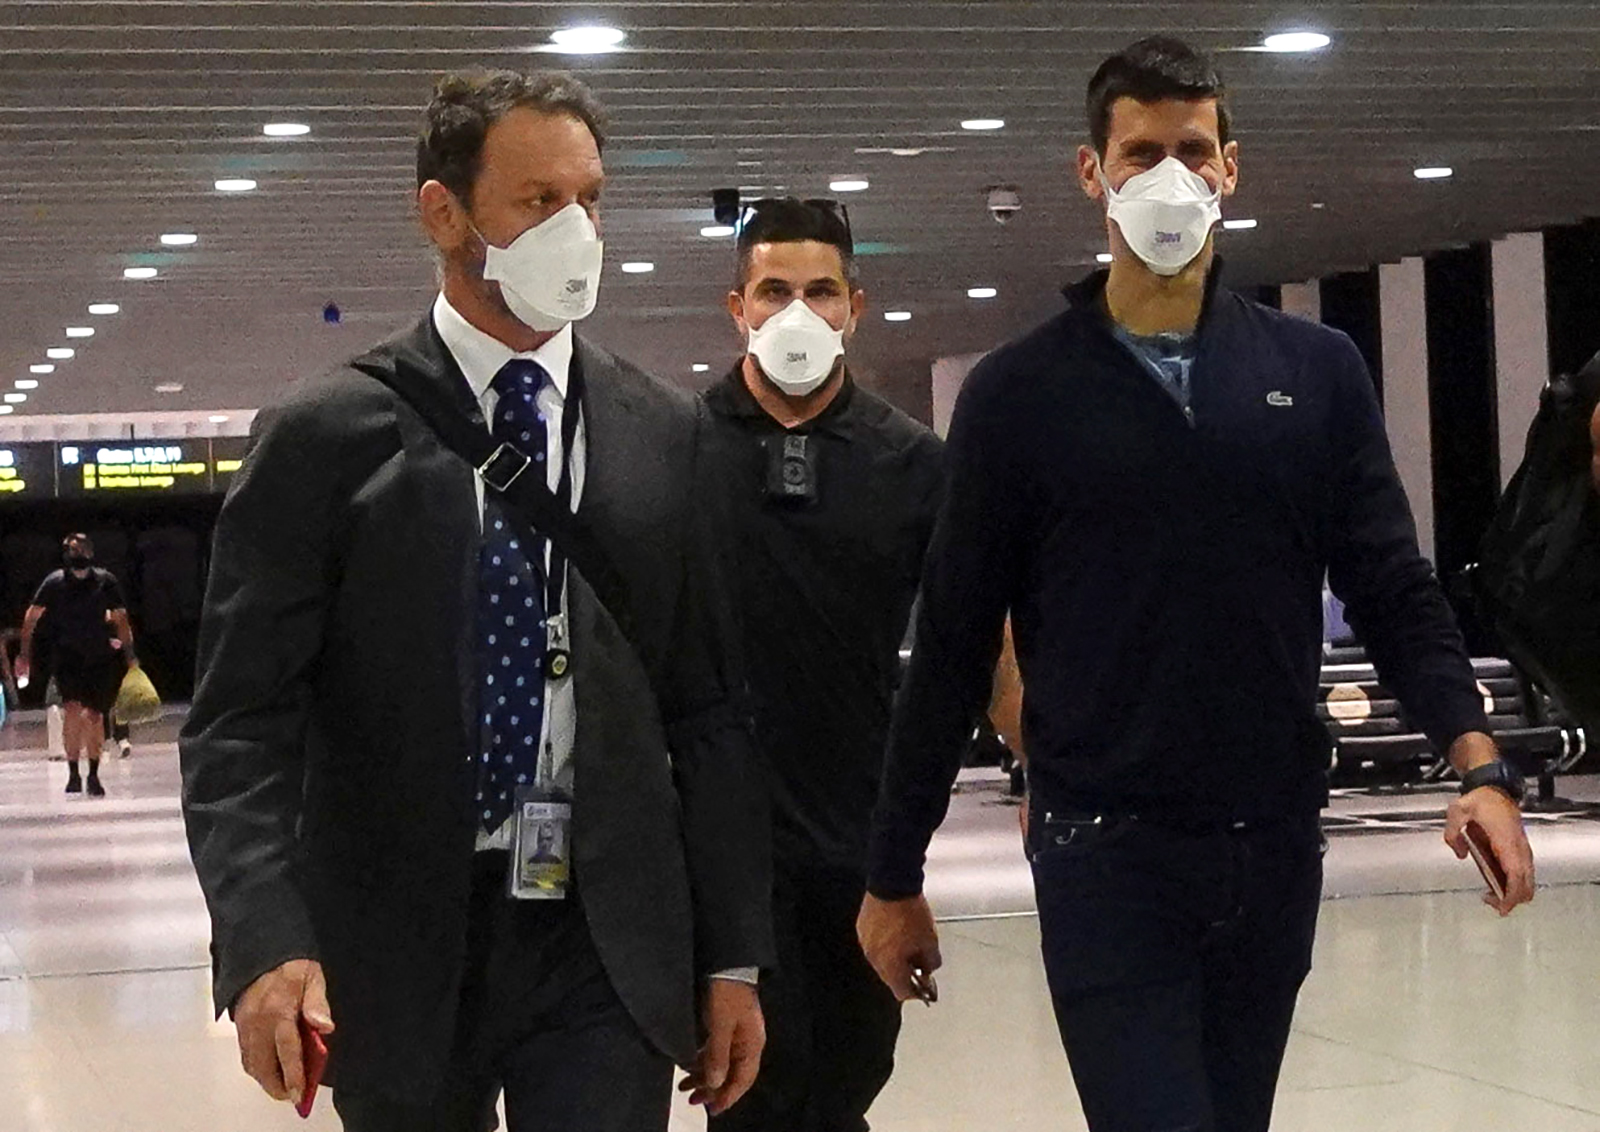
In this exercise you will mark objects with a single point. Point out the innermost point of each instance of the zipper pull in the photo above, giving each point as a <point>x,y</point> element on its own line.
<point>1188,415</point>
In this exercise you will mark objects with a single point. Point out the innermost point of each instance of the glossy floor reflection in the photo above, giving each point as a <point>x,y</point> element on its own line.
<point>1425,1012</point>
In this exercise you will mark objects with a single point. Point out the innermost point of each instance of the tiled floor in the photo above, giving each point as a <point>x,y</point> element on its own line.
<point>1425,1013</point>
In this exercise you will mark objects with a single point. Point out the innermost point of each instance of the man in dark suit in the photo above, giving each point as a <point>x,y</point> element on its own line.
<point>353,799</point>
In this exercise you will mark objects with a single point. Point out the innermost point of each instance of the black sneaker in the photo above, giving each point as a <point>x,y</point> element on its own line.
<point>74,785</point>
<point>95,789</point>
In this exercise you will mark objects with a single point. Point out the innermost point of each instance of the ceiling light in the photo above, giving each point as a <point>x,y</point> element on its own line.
<point>219,419</point>
<point>1104,257</point>
<point>60,353</point>
<point>1293,41</point>
<point>286,129</point>
<point>80,332</point>
<point>169,387</point>
<point>981,292</point>
<point>700,367</point>
<point>179,239</point>
<point>104,308</point>
<point>1238,225</point>
<point>7,410</point>
<point>984,124</point>
<point>642,268</point>
<point>897,316</point>
<point>850,185</point>
<point>591,40</point>
<point>139,273</point>
<point>27,383</point>
<point>42,369</point>
<point>907,152</point>
<point>235,185</point>
<point>1435,173</point>
<point>16,398</point>
<point>1318,205</point>
<point>717,231</point>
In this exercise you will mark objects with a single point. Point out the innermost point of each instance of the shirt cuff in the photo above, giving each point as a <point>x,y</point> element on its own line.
<point>749,976</point>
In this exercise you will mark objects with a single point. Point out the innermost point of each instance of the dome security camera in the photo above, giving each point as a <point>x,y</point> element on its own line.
<point>1004,203</point>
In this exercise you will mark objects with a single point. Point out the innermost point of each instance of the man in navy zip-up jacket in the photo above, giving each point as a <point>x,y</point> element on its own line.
<point>1154,485</point>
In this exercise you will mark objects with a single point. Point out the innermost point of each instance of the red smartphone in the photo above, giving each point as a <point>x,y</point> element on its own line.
<point>1494,874</point>
<point>314,1059</point>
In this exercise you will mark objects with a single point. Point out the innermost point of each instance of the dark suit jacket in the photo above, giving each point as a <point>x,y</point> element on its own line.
<point>328,761</point>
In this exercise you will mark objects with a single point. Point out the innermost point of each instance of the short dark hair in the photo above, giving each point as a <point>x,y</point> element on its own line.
<point>789,220</point>
<point>466,104</point>
<point>1154,70</point>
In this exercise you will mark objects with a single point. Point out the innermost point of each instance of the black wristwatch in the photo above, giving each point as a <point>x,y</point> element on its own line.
<point>1499,774</point>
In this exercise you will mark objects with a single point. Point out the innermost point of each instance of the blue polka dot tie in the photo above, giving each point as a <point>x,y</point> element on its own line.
<point>511,616</point>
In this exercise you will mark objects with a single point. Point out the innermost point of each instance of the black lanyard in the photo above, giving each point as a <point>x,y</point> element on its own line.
<point>555,578</point>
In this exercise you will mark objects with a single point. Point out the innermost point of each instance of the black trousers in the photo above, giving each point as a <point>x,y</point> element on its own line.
<point>1175,958</point>
<point>540,1020</point>
<point>831,1023</point>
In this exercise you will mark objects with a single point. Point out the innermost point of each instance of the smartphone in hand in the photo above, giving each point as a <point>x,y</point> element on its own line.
<point>314,1058</point>
<point>1494,873</point>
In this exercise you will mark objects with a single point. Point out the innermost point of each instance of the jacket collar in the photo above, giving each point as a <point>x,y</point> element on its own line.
<point>731,397</point>
<point>1088,294</point>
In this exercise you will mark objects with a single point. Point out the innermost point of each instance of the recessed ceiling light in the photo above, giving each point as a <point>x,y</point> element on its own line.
<point>27,383</point>
<point>1318,205</point>
<point>16,398</point>
<point>641,268</point>
<point>235,185</point>
<point>179,239</point>
<point>1435,173</point>
<point>984,124</point>
<point>219,418</point>
<point>1238,225</point>
<point>60,353</point>
<point>1293,41</point>
<point>897,316</point>
<point>80,332</point>
<point>7,410</point>
<point>850,185</point>
<point>589,40</point>
<point>139,273</point>
<point>169,387</point>
<point>700,367</point>
<point>104,308</point>
<point>716,231</point>
<point>981,292</point>
<point>286,129</point>
<point>1104,257</point>
<point>908,152</point>
<point>42,369</point>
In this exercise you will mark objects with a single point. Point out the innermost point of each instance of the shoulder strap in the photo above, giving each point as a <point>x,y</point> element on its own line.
<point>511,474</point>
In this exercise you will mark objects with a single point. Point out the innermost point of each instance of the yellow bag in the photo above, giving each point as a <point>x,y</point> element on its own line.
<point>137,701</point>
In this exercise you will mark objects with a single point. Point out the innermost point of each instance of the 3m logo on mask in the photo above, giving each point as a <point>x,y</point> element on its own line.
<point>578,286</point>
<point>797,357</point>
<point>1164,239</point>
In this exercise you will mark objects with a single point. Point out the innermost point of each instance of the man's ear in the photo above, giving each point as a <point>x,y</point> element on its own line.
<point>442,216</point>
<point>736,309</point>
<point>1230,162</point>
<point>1089,173</point>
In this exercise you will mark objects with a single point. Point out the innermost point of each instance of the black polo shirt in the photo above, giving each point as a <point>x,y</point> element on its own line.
<point>823,591</point>
<point>75,611</point>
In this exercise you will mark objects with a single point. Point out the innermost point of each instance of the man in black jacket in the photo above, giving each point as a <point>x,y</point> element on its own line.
<point>401,687</point>
<point>831,494</point>
<point>1155,484</point>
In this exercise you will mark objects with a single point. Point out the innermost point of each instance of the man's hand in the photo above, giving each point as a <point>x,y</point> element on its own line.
<point>900,940</point>
<point>267,1017</point>
<point>729,1060</point>
<point>1501,819</point>
<point>24,671</point>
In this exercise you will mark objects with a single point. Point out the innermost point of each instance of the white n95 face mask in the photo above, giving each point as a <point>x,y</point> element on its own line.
<point>550,275</point>
<point>796,348</point>
<point>1165,214</point>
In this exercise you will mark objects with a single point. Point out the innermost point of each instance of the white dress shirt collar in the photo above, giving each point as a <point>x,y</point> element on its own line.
<point>481,355</point>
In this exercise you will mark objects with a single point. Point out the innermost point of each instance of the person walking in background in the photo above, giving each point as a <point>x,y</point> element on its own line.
<point>73,612</point>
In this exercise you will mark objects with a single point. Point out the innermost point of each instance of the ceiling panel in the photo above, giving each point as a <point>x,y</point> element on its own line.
<point>116,119</point>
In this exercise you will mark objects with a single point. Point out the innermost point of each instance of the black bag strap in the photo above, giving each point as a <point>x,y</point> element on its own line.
<point>514,477</point>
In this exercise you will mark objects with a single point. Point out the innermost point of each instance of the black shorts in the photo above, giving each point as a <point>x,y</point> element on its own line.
<point>92,681</point>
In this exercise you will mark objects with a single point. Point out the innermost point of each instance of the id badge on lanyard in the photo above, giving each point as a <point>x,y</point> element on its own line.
<point>541,839</point>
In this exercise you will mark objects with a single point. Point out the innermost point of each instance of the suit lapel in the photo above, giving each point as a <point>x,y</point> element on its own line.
<point>609,433</point>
